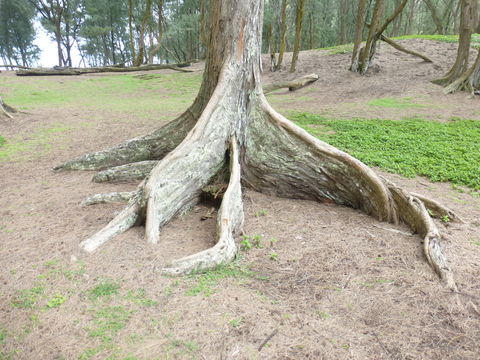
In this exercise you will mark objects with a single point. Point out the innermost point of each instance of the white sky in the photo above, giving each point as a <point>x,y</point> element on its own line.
<point>48,47</point>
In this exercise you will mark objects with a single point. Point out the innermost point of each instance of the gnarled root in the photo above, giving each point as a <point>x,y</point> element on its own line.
<point>437,209</point>
<point>108,198</point>
<point>6,109</point>
<point>125,173</point>
<point>284,159</point>
<point>229,222</point>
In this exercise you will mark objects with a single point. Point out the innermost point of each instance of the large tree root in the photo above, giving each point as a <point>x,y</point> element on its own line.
<point>126,173</point>
<point>108,198</point>
<point>297,163</point>
<point>229,223</point>
<point>6,109</point>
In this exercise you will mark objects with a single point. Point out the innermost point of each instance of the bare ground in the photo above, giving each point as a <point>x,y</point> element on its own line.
<point>329,282</point>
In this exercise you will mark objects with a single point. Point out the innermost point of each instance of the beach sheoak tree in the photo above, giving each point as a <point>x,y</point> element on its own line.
<point>231,131</point>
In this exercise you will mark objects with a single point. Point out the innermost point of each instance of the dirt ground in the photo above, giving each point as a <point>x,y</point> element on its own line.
<point>325,282</point>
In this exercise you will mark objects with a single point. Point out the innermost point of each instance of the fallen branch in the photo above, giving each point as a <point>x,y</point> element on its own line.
<point>267,339</point>
<point>80,71</point>
<point>402,49</point>
<point>292,85</point>
<point>109,198</point>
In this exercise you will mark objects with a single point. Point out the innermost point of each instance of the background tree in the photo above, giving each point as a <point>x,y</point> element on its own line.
<point>298,33</point>
<point>17,33</point>
<point>459,76</point>
<point>230,135</point>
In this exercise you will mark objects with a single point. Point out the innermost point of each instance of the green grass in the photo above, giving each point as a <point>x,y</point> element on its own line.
<point>124,93</point>
<point>395,103</point>
<point>105,289</point>
<point>338,49</point>
<point>2,140</point>
<point>28,298</point>
<point>441,151</point>
<point>108,321</point>
<point>207,280</point>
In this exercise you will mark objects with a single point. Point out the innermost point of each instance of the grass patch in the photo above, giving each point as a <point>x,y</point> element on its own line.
<point>207,280</point>
<point>2,140</point>
<point>28,298</point>
<point>125,93</point>
<point>108,321</point>
<point>105,289</point>
<point>441,151</point>
<point>395,103</point>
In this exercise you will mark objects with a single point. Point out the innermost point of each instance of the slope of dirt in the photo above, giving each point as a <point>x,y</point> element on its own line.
<point>324,282</point>
<point>340,93</point>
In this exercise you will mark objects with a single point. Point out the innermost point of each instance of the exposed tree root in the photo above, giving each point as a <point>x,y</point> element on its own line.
<point>437,209</point>
<point>6,109</point>
<point>108,198</point>
<point>399,47</point>
<point>292,85</point>
<point>126,173</point>
<point>319,171</point>
<point>121,223</point>
<point>229,222</point>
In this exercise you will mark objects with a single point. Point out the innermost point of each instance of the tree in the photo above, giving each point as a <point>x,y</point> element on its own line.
<point>460,76</point>
<point>362,56</point>
<point>230,135</point>
<point>17,33</point>
<point>298,34</point>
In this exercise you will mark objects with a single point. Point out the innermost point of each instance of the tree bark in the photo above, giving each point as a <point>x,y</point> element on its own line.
<point>231,128</point>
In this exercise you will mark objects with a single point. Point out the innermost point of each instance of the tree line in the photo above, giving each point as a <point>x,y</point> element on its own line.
<point>134,32</point>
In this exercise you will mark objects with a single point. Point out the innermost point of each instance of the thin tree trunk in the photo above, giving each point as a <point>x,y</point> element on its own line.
<point>435,16</point>
<point>298,34</point>
<point>359,26</point>
<point>283,34</point>
<point>467,26</point>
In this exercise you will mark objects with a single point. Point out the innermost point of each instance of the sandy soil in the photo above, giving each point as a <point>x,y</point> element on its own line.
<point>330,282</point>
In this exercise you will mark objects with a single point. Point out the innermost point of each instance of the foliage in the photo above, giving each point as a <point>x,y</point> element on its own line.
<point>17,33</point>
<point>441,151</point>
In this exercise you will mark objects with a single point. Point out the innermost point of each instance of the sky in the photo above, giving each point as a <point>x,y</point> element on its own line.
<point>48,47</point>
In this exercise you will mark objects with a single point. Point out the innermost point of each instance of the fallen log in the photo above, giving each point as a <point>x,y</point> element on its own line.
<point>79,71</point>
<point>292,85</point>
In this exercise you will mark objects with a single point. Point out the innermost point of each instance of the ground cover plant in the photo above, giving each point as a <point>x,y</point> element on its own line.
<point>411,147</point>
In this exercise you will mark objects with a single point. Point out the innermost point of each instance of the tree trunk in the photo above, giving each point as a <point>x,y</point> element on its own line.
<point>361,59</point>
<point>343,16</point>
<point>359,26</point>
<point>468,17</point>
<point>231,127</point>
<point>130,31</point>
<point>435,16</point>
<point>283,34</point>
<point>298,34</point>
